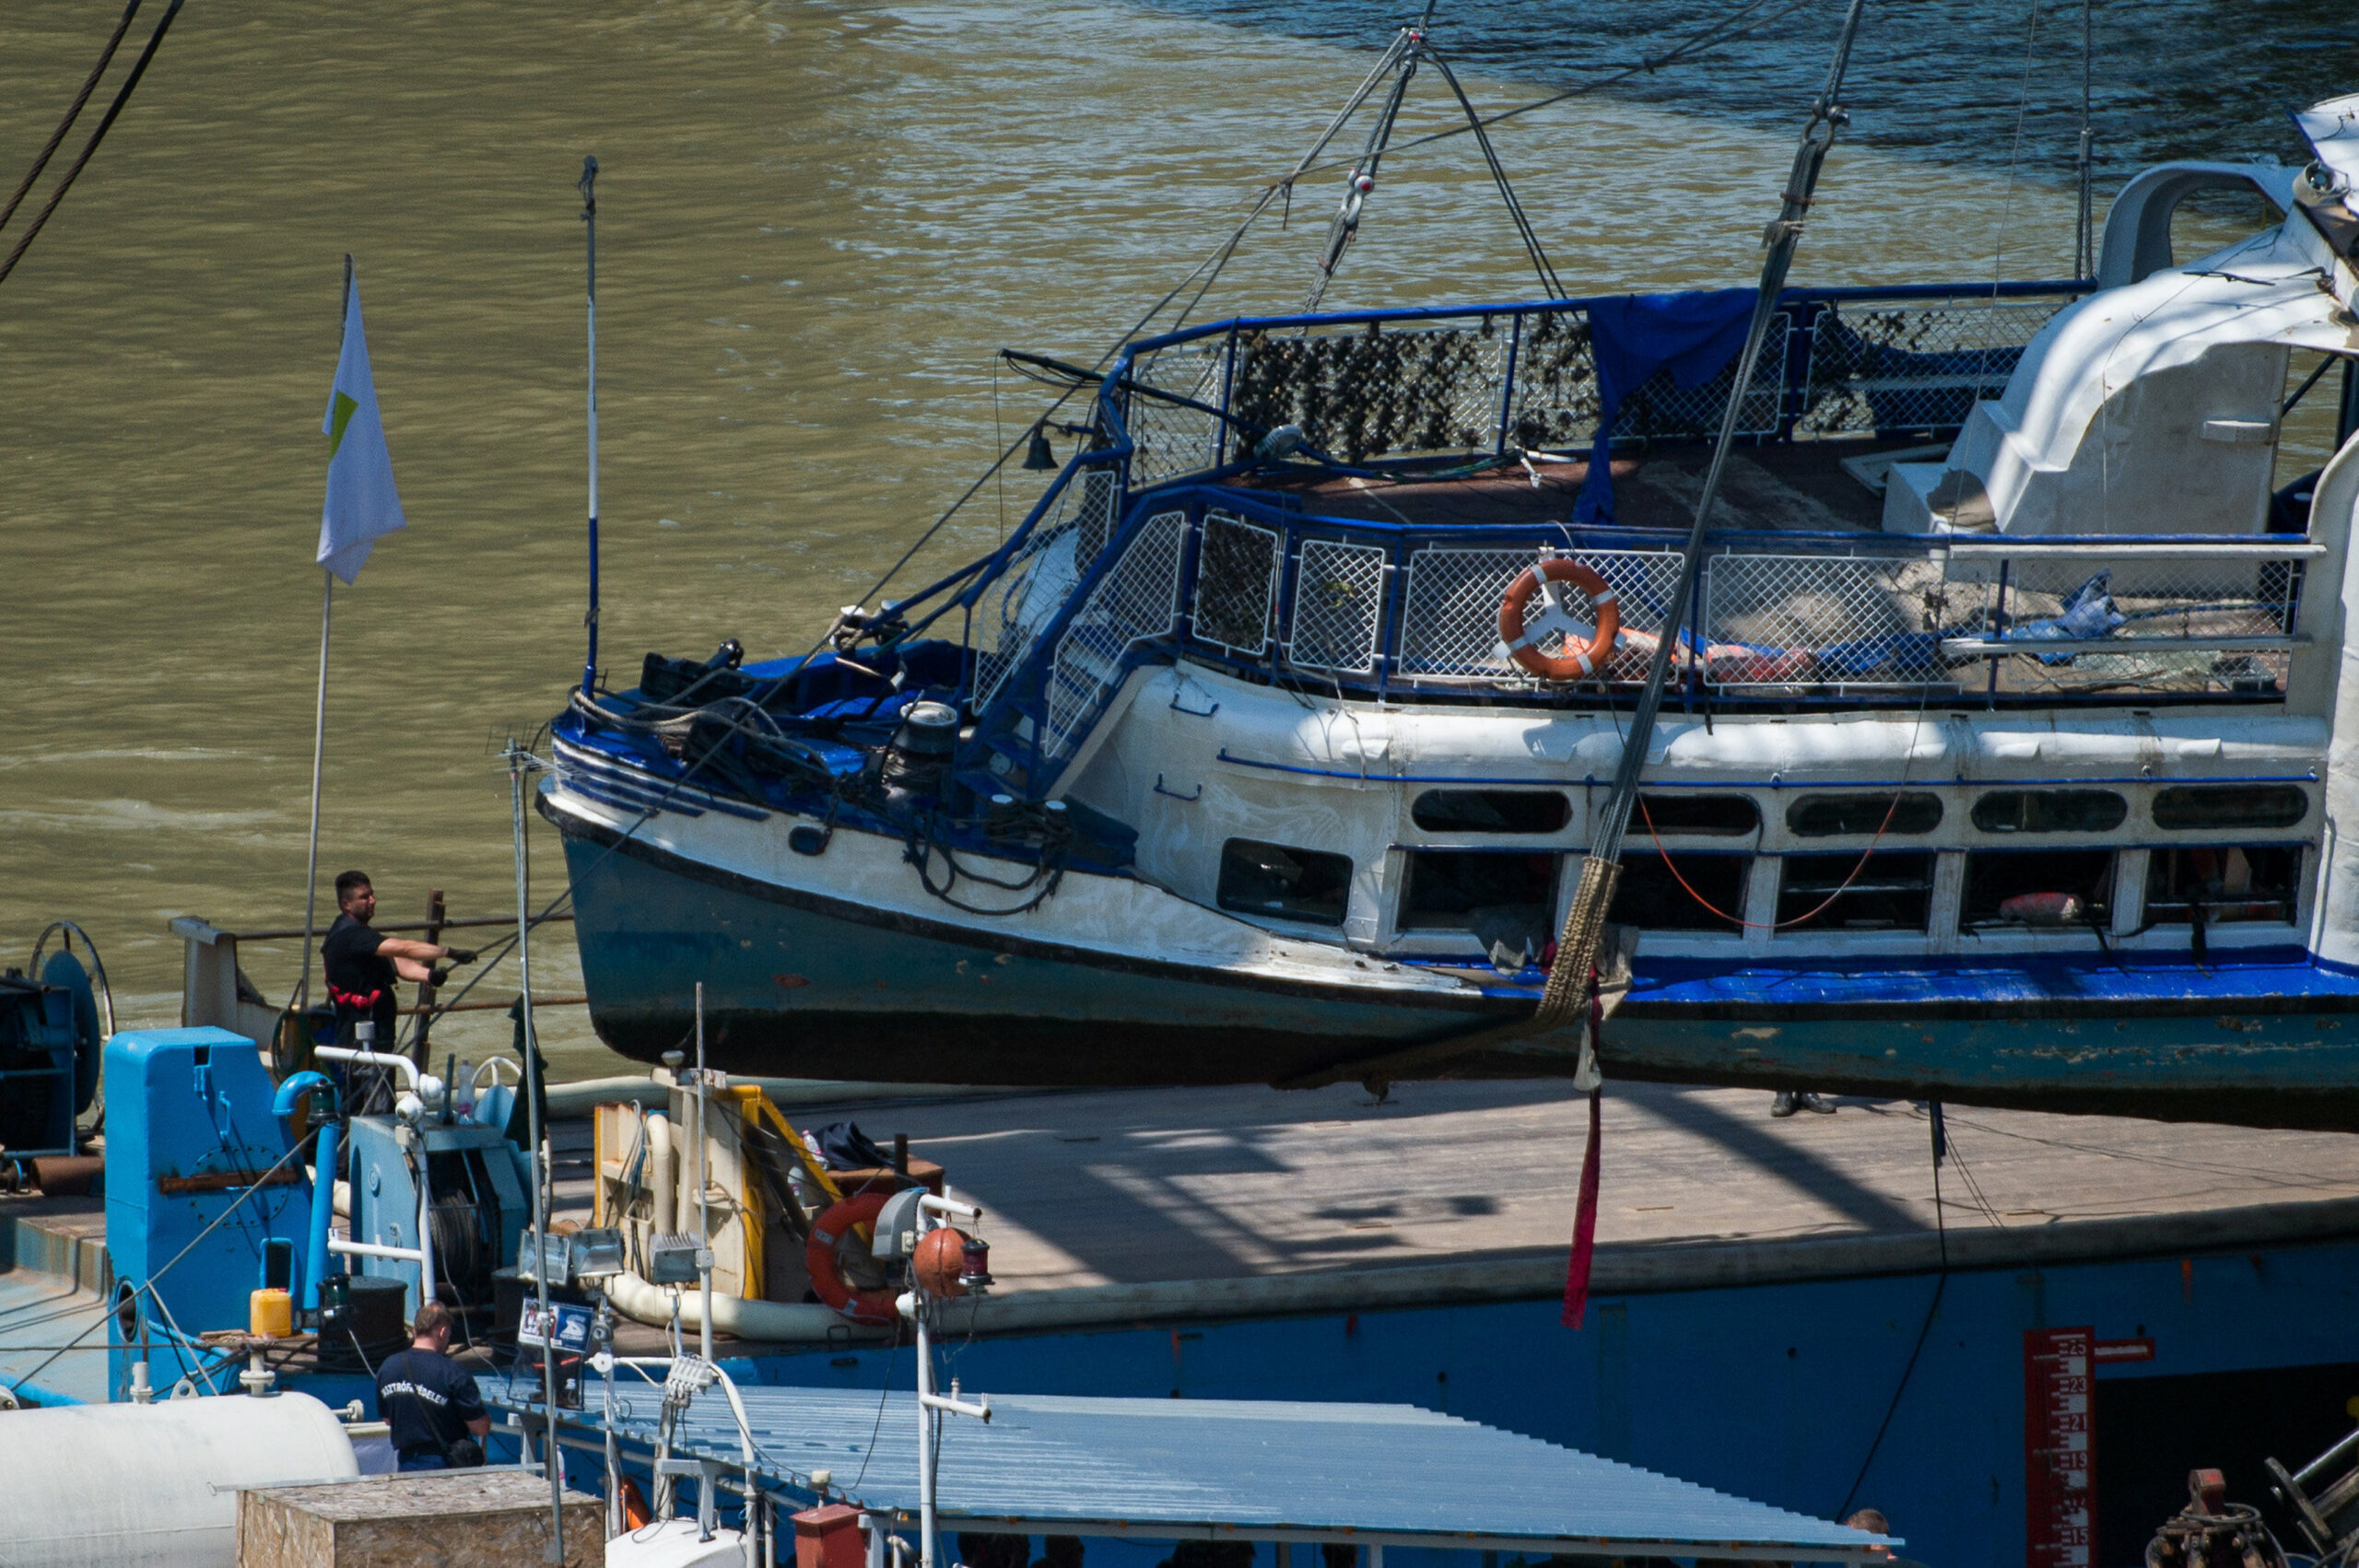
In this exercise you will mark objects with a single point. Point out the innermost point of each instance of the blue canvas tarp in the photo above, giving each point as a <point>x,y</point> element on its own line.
<point>1694,336</point>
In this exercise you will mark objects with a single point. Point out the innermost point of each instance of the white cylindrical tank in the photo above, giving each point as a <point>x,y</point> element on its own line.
<point>154,1486</point>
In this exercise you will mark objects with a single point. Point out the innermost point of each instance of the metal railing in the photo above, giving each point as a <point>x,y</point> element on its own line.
<point>1133,554</point>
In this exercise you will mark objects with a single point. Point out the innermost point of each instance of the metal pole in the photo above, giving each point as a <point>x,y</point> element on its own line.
<point>319,753</point>
<point>2084,256</point>
<point>532,1085</point>
<point>319,737</point>
<point>588,186</point>
<point>926,1425</point>
<point>704,1195</point>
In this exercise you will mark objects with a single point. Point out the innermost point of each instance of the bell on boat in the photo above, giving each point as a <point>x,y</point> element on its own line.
<point>1038,457</point>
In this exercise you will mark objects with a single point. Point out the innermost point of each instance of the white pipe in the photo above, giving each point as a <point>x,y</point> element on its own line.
<point>375,1249</point>
<point>398,1064</point>
<point>425,1234</point>
<point>664,1178</point>
<point>776,1322</point>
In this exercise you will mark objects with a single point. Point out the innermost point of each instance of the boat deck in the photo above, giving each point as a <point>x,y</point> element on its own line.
<point>1125,1205</point>
<point>1107,1206</point>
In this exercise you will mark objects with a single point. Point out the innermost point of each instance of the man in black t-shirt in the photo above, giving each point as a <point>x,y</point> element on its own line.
<point>430,1400</point>
<point>362,965</point>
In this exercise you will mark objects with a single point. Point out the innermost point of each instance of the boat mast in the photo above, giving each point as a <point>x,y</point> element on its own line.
<point>1568,978</point>
<point>588,186</point>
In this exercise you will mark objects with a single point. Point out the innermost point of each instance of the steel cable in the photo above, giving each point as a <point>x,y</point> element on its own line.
<point>89,148</point>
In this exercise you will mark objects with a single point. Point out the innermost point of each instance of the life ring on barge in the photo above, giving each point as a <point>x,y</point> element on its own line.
<point>876,1306</point>
<point>1578,662</point>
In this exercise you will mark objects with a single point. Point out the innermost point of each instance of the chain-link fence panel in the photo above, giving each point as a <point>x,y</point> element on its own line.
<point>1835,622</point>
<point>1662,410</point>
<point>1236,584</point>
<point>2147,604</point>
<point>1170,439</point>
<point>1367,392</point>
<point>1556,383</point>
<point>1016,607</point>
<point>1139,599</point>
<point>1451,627</point>
<point>1338,607</point>
<point>1892,368</point>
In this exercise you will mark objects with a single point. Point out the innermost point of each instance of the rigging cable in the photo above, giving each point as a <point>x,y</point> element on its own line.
<point>2015,151</point>
<point>72,113</point>
<point>1345,227</point>
<point>121,98</point>
<point>1724,30</point>
<point>1548,282</point>
<point>1577,945</point>
<point>1932,1310</point>
<point>2084,259</point>
<point>1730,28</point>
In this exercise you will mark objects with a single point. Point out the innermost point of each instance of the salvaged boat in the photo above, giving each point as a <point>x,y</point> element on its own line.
<point>2005,747</point>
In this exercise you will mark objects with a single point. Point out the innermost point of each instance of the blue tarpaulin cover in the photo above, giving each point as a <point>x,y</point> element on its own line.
<point>1691,335</point>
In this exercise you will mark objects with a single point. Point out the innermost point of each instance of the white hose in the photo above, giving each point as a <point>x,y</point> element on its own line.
<point>773,1321</point>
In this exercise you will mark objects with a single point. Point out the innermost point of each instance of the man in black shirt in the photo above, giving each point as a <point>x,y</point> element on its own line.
<point>430,1400</point>
<point>362,965</point>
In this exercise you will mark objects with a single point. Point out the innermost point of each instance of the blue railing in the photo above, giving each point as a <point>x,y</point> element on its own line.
<point>1134,553</point>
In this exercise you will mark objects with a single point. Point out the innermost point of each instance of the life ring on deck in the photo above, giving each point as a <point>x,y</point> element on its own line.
<point>876,1306</point>
<point>1578,662</point>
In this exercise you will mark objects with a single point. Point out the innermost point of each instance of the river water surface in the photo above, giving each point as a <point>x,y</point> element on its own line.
<point>817,221</point>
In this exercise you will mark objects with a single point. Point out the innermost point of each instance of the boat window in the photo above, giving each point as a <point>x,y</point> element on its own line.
<point>1729,816</point>
<point>1825,816</point>
<point>2231,805</point>
<point>1651,896</point>
<point>2036,889</point>
<point>2227,882</point>
<point>1491,810</point>
<point>2051,811</point>
<point>1293,884</point>
<point>1894,891</point>
<point>1508,898</point>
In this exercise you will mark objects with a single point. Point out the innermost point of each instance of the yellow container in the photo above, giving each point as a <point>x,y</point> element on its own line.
<point>270,1312</point>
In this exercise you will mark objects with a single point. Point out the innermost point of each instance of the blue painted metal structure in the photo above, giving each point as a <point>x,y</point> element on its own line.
<point>191,1132</point>
<point>1237,1470</point>
<point>478,1177</point>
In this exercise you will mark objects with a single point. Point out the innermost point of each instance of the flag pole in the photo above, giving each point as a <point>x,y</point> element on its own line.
<point>588,186</point>
<point>319,738</point>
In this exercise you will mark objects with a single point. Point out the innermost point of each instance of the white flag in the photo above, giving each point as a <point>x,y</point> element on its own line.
<point>361,504</point>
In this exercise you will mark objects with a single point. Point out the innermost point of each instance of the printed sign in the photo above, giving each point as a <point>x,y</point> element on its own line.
<point>565,1328</point>
<point>2059,1454</point>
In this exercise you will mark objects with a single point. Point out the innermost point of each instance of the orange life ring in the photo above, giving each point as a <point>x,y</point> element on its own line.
<point>820,1257</point>
<point>636,1514</point>
<point>1575,664</point>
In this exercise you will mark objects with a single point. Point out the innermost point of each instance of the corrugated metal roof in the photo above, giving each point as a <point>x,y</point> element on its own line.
<point>1247,1468</point>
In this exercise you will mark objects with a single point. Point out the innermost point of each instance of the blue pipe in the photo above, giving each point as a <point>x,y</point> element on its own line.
<point>315,1257</point>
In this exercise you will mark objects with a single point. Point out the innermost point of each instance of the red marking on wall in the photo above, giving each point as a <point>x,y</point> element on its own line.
<point>2059,1457</point>
<point>788,982</point>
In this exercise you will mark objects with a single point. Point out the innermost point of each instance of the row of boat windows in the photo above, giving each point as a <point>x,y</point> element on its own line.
<point>2197,807</point>
<point>1512,898</point>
